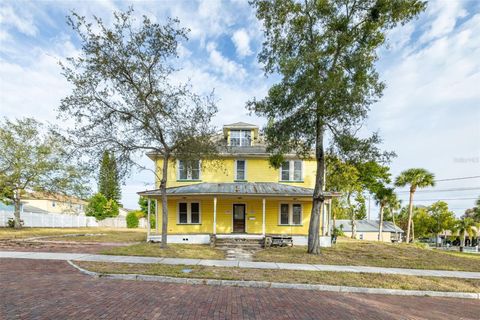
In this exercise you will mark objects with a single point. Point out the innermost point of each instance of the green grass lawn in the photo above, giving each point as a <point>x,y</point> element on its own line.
<point>93,234</point>
<point>366,253</point>
<point>289,276</point>
<point>194,251</point>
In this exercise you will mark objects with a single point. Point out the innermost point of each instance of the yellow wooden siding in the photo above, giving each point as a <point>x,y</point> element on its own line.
<point>257,170</point>
<point>225,216</point>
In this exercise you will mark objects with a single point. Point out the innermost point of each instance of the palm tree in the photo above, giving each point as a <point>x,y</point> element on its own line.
<point>415,178</point>
<point>463,227</point>
<point>383,197</point>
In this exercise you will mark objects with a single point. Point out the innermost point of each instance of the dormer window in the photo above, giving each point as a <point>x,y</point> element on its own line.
<point>240,138</point>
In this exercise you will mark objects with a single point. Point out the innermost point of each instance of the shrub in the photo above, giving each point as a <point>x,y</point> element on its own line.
<point>111,208</point>
<point>101,208</point>
<point>140,214</point>
<point>132,219</point>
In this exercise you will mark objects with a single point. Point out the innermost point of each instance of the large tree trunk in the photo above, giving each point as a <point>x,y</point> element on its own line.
<point>17,206</point>
<point>462,241</point>
<point>318,197</point>
<point>413,231</point>
<point>410,213</point>
<point>163,191</point>
<point>380,226</point>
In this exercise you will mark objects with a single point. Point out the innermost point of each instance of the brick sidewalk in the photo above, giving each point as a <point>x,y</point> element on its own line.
<point>39,289</point>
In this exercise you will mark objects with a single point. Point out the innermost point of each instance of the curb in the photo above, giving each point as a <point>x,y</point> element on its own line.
<point>277,285</point>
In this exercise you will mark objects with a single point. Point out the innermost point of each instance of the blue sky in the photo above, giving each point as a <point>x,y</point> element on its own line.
<point>429,115</point>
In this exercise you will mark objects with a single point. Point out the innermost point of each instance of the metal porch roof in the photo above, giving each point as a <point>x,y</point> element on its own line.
<point>239,188</point>
<point>367,226</point>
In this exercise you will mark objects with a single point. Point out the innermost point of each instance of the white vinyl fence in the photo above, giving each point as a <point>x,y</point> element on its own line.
<point>119,222</point>
<point>50,220</point>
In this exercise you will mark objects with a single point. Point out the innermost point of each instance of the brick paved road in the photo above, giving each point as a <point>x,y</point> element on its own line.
<point>74,247</point>
<point>34,289</point>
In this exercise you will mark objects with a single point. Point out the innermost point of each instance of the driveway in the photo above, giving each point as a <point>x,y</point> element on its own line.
<point>40,289</point>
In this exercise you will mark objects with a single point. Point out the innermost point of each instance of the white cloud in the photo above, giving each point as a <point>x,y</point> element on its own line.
<point>241,40</point>
<point>223,65</point>
<point>21,20</point>
<point>445,15</point>
<point>430,110</point>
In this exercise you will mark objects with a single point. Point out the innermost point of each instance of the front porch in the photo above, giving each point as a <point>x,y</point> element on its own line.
<point>198,213</point>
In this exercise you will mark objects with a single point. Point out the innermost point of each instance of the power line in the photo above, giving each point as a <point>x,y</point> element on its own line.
<point>461,178</point>
<point>443,190</point>
<point>444,199</point>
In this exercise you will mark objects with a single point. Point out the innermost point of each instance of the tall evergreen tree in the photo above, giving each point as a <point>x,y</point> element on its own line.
<point>108,178</point>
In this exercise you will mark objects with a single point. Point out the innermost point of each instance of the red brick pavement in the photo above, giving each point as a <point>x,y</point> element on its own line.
<point>34,289</point>
<point>70,247</point>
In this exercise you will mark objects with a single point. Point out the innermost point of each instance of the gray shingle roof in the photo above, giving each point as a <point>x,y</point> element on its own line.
<point>367,226</point>
<point>239,188</point>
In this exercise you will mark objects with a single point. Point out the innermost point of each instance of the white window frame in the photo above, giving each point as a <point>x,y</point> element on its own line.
<point>189,212</point>
<point>291,171</point>
<point>244,170</point>
<point>242,139</point>
<point>189,172</point>
<point>290,214</point>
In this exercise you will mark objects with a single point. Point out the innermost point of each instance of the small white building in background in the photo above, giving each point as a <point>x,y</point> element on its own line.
<point>368,230</point>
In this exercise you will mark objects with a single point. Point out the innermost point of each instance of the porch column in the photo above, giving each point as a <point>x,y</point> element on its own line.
<point>214,215</point>
<point>329,217</point>
<point>156,216</point>
<point>322,218</point>
<point>148,218</point>
<point>263,216</point>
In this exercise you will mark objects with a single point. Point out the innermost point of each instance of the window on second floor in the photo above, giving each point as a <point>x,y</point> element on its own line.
<point>188,170</point>
<point>240,170</point>
<point>240,138</point>
<point>291,171</point>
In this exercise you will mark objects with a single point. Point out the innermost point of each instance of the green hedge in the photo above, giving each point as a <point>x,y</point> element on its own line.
<point>132,219</point>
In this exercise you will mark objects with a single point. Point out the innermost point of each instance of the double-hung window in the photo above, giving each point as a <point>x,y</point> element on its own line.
<point>189,170</point>
<point>240,138</point>
<point>291,170</point>
<point>240,170</point>
<point>290,214</point>
<point>188,212</point>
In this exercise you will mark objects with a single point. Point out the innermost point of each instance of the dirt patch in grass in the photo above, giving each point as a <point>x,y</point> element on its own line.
<point>59,234</point>
<point>289,276</point>
<point>193,251</point>
<point>365,253</point>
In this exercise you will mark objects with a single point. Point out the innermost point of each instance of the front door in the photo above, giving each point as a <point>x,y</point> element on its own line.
<point>238,218</point>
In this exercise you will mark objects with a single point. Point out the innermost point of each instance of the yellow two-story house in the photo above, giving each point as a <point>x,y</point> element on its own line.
<point>242,197</point>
